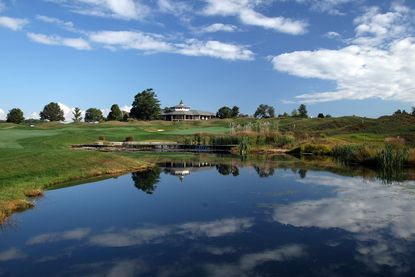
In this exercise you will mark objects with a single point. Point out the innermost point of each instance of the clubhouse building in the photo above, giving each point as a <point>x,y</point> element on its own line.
<point>182,112</point>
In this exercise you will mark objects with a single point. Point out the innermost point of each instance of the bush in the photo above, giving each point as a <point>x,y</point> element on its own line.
<point>315,149</point>
<point>129,138</point>
<point>283,140</point>
<point>101,138</point>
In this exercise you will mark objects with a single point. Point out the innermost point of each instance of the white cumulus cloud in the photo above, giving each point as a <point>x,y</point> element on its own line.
<point>174,7</point>
<point>379,61</point>
<point>214,49</point>
<point>77,43</point>
<point>219,27</point>
<point>2,115</point>
<point>67,25</point>
<point>131,40</point>
<point>153,43</point>
<point>12,23</point>
<point>245,11</point>
<point>121,9</point>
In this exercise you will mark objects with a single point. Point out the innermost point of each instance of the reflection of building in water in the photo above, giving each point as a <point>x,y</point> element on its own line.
<point>182,169</point>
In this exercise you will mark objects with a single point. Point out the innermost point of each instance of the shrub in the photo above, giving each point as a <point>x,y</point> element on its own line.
<point>129,138</point>
<point>101,138</point>
<point>283,140</point>
<point>315,149</point>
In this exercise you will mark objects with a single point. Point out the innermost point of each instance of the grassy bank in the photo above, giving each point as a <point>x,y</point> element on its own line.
<point>32,159</point>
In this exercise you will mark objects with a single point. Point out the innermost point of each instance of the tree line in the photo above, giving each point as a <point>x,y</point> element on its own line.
<point>146,106</point>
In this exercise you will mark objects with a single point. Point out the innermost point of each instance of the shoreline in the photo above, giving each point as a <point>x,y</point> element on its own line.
<point>8,208</point>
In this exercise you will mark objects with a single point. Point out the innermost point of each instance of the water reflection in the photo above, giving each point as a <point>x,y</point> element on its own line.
<point>264,171</point>
<point>270,219</point>
<point>147,180</point>
<point>227,169</point>
<point>380,218</point>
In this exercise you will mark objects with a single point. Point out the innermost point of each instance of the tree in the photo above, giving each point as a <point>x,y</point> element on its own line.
<point>397,112</point>
<point>15,116</point>
<point>115,113</point>
<point>264,111</point>
<point>413,111</point>
<point>52,112</point>
<point>302,111</point>
<point>224,112</point>
<point>93,114</point>
<point>77,115</point>
<point>235,111</point>
<point>328,116</point>
<point>320,115</point>
<point>146,106</point>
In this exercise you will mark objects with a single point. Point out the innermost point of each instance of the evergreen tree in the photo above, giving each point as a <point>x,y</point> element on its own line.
<point>146,106</point>
<point>115,113</point>
<point>15,116</point>
<point>235,111</point>
<point>302,111</point>
<point>77,115</point>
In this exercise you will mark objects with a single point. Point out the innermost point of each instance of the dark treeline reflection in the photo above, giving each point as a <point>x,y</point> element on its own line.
<point>264,171</point>
<point>147,180</point>
<point>227,169</point>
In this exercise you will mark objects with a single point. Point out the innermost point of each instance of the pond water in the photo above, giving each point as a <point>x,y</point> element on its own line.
<point>211,219</point>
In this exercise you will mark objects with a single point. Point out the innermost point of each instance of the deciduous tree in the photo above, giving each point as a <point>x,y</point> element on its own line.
<point>264,111</point>
<point>235,111</point>
<point>224,112</point>
<point>52,112</point>
<point>93,114</point>
<point>15,116</point>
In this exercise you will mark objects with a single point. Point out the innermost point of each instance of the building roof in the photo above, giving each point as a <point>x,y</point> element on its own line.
<point>190,112</point>
<point>181,105</point>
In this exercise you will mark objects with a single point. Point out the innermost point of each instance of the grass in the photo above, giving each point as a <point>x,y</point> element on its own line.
<point>34,159</point>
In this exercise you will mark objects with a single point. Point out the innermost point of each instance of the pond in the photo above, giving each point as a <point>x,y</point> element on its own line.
<point>204,218</point>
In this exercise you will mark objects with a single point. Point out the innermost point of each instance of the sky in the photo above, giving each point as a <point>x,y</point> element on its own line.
<point>339,57</point>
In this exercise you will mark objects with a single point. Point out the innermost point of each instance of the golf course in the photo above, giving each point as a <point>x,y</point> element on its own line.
<point>37,157</point>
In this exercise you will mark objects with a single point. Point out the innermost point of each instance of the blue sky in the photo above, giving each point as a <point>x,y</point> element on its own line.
<point>340,57</point>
